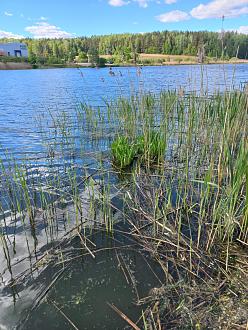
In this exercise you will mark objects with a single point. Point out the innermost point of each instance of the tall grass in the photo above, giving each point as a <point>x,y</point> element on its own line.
<point>184,188</point>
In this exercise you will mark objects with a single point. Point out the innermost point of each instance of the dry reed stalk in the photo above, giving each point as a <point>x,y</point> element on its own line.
<point>85,245</point>
<point>65,316</point>
<point>124,317</point>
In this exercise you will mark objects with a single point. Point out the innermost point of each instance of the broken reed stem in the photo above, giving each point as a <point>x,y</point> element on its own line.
<point>64,315</point>
<point>123,316</point>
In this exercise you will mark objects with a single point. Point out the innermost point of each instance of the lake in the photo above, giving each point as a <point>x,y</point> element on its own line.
<point>55,152</point>
<point>25,95</point>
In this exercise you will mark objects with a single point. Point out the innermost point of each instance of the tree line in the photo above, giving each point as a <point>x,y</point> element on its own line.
<point>125,47</point>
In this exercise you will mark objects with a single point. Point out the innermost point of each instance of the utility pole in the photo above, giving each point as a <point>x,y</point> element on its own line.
<point>222,37</point>
<point>201,54</point>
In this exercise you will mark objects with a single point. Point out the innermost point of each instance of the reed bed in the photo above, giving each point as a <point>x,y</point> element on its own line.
<point>172,167</point>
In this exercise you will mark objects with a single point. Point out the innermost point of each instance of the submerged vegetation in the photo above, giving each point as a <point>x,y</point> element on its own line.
<point>174,180</point>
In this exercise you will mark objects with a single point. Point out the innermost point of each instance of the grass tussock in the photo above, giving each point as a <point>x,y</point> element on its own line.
<point>149,149</point>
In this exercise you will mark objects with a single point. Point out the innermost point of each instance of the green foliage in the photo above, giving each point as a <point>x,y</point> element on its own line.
<point>82,57</point>
<point>149,148</point>
<point>6,59</point>
<point>140,143</point>
<point>154,146</point>
<point>32,58</point>
<point>126,47</point>
<point>93,56</point>
<point>95,59</point>
<point>102,62</point>
<point>123,152</point>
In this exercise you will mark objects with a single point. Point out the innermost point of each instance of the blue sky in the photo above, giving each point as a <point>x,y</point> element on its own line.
<point>68,18</point>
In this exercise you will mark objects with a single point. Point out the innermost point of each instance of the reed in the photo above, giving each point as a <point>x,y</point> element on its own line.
<point>178,163</point>
<point>123,152</point>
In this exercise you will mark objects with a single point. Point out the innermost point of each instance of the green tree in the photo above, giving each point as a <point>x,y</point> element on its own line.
<point>32,58</point>
<point>93,56</point>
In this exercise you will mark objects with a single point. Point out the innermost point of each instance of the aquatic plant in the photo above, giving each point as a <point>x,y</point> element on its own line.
<point>149,148</point>
<point>123,152</point>
<point>154,146</point>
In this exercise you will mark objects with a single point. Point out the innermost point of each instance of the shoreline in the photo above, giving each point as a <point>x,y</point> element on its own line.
<point>9,66</point>
<point>15,66</point>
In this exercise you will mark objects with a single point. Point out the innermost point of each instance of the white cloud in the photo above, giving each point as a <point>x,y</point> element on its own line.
<point>170,2</point>
<point>118,3</point>
<point>46,30</point>
<point>142,3</point>
<point>219,8</point>
<point>42,18</point>
<point>10,35</point>
<point>242,29</point>
<point>212,9</point>
<point>173,16</point>
<point>8,14</point>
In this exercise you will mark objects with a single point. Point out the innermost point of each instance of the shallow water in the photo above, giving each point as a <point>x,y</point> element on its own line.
<point>88,285</point>
<point>83,291</point>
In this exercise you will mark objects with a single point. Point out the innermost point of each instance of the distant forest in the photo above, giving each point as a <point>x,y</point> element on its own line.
<point>125,47</point>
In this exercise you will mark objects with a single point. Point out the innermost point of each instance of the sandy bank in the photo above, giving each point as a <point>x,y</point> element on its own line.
<point>14,66</point>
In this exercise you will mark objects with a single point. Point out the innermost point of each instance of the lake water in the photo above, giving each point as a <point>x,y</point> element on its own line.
<point>28,102</point>
<point>25,95</point>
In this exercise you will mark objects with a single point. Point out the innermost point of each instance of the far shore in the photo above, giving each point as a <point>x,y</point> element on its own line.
<point>15,66</point>
<point>172,60</point>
